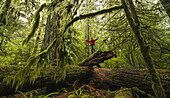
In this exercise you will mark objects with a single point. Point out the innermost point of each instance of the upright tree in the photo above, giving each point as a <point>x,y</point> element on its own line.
<point>87,51</point>
<point>144,47</point>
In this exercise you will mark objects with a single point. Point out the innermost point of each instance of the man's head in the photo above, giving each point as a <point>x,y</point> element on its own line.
<point>91,38</point>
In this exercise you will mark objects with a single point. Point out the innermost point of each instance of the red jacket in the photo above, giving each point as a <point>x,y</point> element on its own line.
<point>92,41</point>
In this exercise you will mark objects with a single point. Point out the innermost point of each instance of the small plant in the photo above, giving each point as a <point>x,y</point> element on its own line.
<point>54,93</point>
<point>40,96</point>
<point>80,93</point>
<point>22,94</point>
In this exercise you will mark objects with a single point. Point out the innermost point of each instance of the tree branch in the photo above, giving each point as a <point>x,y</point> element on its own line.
<point>88,15</point>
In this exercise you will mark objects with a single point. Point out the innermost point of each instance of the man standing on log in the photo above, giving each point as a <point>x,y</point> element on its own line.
<point>92,44</point>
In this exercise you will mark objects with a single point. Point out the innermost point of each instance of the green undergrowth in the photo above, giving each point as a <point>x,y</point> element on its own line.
<point>62,93</point>
<point>30,95</point>
<point>85,93</point>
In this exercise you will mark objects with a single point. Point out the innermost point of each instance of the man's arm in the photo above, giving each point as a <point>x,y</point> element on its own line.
<point>87,40</point>
<point>96,39</point>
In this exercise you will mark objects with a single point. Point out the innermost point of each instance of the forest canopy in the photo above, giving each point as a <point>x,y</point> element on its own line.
<point>37,34</point>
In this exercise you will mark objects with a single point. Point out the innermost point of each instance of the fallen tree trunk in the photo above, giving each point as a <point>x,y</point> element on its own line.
<point>97,58</point>
<point>99,78</point>
<point>45,78</point>
<point>130,77</point>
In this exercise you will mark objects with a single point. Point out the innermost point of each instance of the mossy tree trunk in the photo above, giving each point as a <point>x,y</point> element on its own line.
<point>144,48</point>
<point>45,79</point>
<point>51,31</point>
<point>99,78</point>
<point>97,58</point>
<point>87,38</point>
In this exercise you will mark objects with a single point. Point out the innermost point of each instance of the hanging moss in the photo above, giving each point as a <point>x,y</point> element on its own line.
<point>35,24</point>
<point>34,28</point>
<point>83,17</point>
<point>39,58</point>
<point>3,11</point>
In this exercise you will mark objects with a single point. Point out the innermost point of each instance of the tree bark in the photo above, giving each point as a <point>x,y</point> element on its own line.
<point>45,78</point>
<point>99,78</point>
<point>144,48</point>
<point>97,58</point>
<point>87,38</point>
<point>51,31</point>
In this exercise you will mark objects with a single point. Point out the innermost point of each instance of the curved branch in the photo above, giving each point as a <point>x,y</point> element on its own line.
<point>88,15</point>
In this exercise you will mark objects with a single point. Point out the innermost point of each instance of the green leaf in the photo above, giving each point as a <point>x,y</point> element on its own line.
<point>22,94</point>
<point>54,93</point>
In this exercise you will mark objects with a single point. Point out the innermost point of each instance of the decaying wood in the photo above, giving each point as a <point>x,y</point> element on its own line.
<point>45,79</point>
<point>99,78</point>
<point>97,58</point>
<point>129,77</point>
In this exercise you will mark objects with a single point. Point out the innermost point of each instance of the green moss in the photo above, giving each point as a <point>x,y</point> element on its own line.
<point>141,93</point>
<point>110,94</point>
<point>3,11</point>
<point>39,10</point>
<point>124,93</point>
<point>35,24</point>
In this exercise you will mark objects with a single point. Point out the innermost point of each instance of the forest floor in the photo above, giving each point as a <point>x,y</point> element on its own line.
<point>85,91</point>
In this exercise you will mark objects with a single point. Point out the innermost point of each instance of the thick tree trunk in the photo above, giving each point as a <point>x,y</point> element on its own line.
<point>99,78</point>
<point>130,77</point>
<point>144,48</point>
<point>51,31</point>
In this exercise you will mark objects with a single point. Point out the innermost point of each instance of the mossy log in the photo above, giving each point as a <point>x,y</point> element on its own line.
<point>97,58</point>
<point>99,78</point>
<point>45,78</point>
<point>133,92</point>
<point>130,77</point>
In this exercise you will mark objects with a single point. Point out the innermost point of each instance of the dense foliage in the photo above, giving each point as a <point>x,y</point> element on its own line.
<point>38,34</point>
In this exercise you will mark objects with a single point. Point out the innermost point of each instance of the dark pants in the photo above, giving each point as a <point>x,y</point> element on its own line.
<point>92,49</point>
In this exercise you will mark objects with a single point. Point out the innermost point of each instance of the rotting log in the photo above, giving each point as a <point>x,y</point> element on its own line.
<point>130,77</point>
<point>97,58</point>
<point>45,78</point>
<point>99,78</point>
